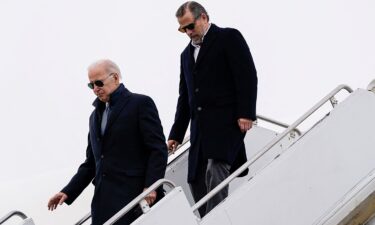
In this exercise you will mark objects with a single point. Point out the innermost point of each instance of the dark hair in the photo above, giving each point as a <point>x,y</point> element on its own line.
<point>194,7</point>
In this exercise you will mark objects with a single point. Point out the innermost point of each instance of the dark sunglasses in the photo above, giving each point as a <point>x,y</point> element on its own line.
<point>190,26</point>
<point>98,83</point>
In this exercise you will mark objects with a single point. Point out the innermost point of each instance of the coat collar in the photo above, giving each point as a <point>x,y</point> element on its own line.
<point>120,92</point>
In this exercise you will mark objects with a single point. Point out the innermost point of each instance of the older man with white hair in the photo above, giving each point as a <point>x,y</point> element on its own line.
<point>126,150</point>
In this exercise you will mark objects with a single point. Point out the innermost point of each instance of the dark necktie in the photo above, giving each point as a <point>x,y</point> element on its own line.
<point>105,118</point>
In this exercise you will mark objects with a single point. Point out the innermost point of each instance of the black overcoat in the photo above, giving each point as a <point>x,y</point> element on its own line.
<point>130,156</point>
<point>214,92</point>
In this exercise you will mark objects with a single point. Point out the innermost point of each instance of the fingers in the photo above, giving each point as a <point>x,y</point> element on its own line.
<point>57,199</point>
<point>52,203</point>
<point>150,198</point>
<point>245,124</point>
<point>62,199</point>
<point>172,146</point>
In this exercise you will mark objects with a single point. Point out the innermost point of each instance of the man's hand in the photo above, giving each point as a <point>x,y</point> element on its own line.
<point>172,146</point>
<point>57,199</point>
<point>150,198</point>
<point>244,124</point>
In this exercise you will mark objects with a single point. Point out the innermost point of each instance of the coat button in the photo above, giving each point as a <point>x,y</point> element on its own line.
<point>97,139</point>
<point>199,108</point>
<point>103,174</point>
<point>102,156</point>
<point>196,90</point>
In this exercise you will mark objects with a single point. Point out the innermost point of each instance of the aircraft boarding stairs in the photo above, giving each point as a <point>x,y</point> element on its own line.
<point>325,176</point>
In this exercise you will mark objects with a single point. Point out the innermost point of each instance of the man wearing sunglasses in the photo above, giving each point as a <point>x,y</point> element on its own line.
<point>126,150</point>
<point>218,91</point>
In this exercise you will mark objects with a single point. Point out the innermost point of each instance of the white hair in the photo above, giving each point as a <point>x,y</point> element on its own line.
<point>108,64</point>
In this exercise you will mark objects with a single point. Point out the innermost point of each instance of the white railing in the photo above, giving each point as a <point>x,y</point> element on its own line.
<point>292,127</point>
<point>131,204</point>
<point>138,200</point>
<point>11,214</point>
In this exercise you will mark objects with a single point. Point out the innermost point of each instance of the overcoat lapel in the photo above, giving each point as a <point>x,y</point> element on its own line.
<point>207,42</point>
<point>189,57</point>
<point>96,118</point>
<point>117,108</point>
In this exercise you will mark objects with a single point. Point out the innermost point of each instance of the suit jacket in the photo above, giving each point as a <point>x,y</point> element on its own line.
<point>130,156</point>
<point>214,92</point>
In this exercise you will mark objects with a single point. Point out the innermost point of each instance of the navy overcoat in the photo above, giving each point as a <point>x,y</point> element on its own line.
<point>131,155</point>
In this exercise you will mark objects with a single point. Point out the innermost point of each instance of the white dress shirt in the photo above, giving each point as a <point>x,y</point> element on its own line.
<point>198,47</point>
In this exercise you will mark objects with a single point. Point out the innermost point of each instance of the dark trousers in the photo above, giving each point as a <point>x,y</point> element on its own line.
<point>210,173</point>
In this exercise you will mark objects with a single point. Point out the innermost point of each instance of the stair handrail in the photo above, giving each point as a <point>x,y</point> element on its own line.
<point>264,118</point>
<point>84,219</point>
<point>264,150</point>
<point>11,214</point>
<point>138,199</point>
<point>278,123</point>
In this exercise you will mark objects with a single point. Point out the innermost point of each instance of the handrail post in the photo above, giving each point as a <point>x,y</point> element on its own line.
<point>333,101</point>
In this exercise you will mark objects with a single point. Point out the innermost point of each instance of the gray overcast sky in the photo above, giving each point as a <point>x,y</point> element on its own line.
<point>302,50</point>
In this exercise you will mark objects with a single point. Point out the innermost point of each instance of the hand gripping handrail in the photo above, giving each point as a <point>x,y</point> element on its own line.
<point>131,204</point>
<point>139,198</point>
<point>269,146</point>
<point>11,214</point>
<point>187,139</point>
